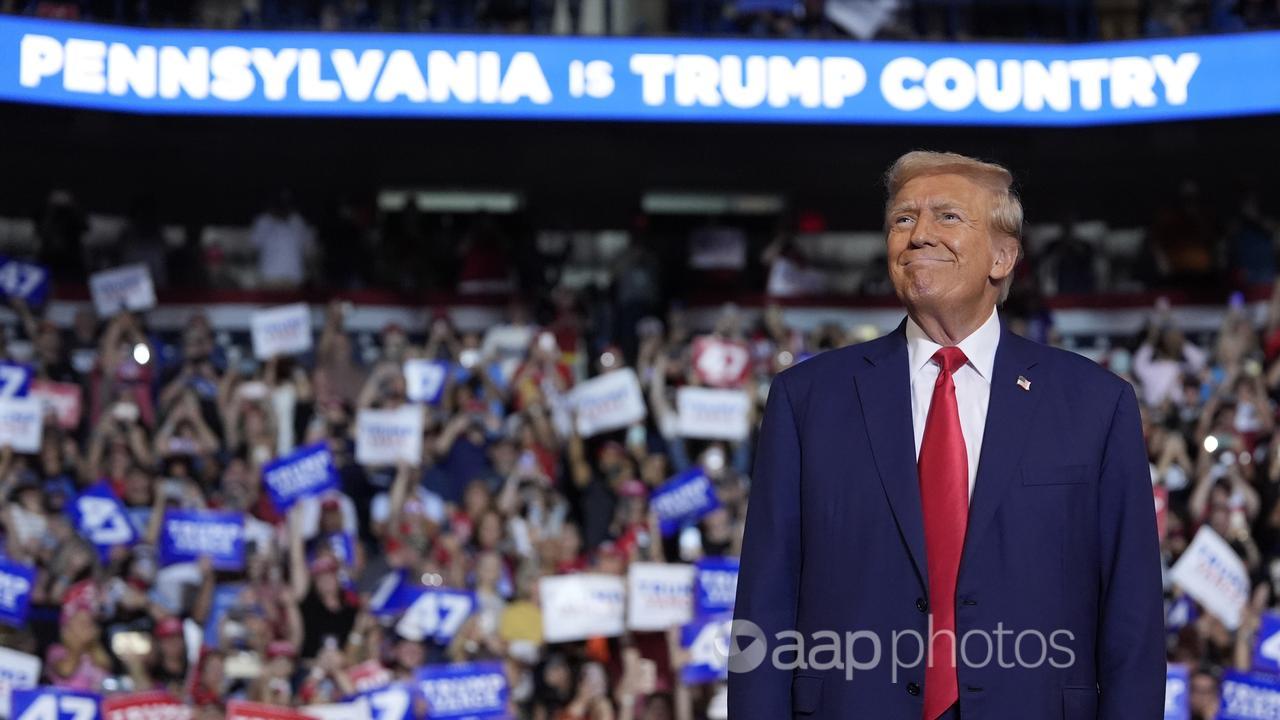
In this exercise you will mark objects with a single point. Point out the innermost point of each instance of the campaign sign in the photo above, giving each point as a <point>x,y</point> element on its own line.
<point>305,472</point>
<point>369,675</point>
<point>424,380</point>
<point>707,641</point>
<point>24,280</point>
<point>151,705</point>
<point>715,585</point>
<point>342,545</point>
<point>188,535</point>
<point>48,703</point>
<point>21,423</point>
<point>683,499</point>
<point>1249,697</point>
<point>15,379</point>
<point>18,671</point>
<point>64,400</point>
<point>393,595</point>
<point>284,330</point>
<point>713,414</point>
<point>720,363</point>
<point>225,597</point>
<point>608,402</point>
<point>476,691</point>
<point>1182,612</point>
<point>1266,646</point>
<point>392,702</point>
<point>389,437</point>
<point>357,709</point>
<point>101,518</point>
<point>437,613</point>
<point>16,581</point>
<point>1177,693</point>
<point>1211,573</point>
<point>123,288</point>
<point>659,595</point>
<point>582,605</point>
<point>244,710</point>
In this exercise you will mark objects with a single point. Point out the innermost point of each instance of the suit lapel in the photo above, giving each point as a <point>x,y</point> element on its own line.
<point>884,390</point>
<point>1009,415</point>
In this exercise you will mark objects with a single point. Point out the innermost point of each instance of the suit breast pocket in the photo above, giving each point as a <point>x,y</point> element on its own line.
<point>1056,475</point>
<point>1079,703</point>
<point>806,694</point>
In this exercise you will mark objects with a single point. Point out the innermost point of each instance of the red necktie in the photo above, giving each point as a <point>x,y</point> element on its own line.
<point>944,493</point>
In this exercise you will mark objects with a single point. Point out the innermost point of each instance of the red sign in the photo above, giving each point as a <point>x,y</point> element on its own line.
<point>244,710</point>
<point>1162,509</point>
<point>369,675</point>
<point>720,363</point>
<point>63,398</point>
<point>154,705</point>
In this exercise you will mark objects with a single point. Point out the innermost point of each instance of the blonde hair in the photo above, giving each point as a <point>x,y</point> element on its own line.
<point>1006,210</point>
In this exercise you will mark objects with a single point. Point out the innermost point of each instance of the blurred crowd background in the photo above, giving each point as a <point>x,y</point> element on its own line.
<point>1152,250</point>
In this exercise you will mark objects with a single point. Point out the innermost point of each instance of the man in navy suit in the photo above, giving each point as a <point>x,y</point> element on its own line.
<point>950,521</point>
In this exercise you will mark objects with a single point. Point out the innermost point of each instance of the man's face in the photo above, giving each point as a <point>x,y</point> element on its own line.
<point>941,248</point>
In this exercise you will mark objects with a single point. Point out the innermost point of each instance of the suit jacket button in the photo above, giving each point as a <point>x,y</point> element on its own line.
<point>922,605</point>
<point>913,689</point>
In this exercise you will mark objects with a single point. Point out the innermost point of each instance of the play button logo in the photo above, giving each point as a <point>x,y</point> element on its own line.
<point>747,646</point>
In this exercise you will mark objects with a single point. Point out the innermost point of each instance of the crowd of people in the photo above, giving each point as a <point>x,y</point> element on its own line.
<point>895,19</point>
<point>504,494</point>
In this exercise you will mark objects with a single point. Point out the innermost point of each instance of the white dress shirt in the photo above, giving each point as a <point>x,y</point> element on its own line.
<point>973,384</point>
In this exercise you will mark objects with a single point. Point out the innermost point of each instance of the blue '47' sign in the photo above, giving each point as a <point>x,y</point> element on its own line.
<point>24,280</point>
<point>48,703</point>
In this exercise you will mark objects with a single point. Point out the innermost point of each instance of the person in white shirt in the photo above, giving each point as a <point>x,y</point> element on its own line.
<point>284,244</point>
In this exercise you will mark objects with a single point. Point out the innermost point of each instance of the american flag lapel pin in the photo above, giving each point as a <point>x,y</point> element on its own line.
<point>1024,383</point>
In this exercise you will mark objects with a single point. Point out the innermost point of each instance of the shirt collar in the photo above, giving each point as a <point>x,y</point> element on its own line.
<point>979,346</point>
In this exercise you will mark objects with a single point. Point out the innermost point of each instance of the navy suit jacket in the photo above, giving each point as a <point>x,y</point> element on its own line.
<point>1060,572</point>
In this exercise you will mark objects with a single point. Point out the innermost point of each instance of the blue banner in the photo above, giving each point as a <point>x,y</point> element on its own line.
<point>304,472</point>
<point>224,598</point>
<point>476,691</point>
<point>101,518</point>
<point>393,702</point>
<point>707,641</point>
<point>393,595</point>
<point>642,79</point>
<point>436,614</point>
<point>188,535</point>
<point>1182,612</point>
<point>715,585</point>
<point>425,380</point>
<point>48,703</point>
<point>1177,693</point>
<point>16,581</point>
<point>683,500</point>
<point>1249,697</point>
<point>342,545</point>
<point>15,379</point>
<point>24,280</point>
<point>1266,645</point>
